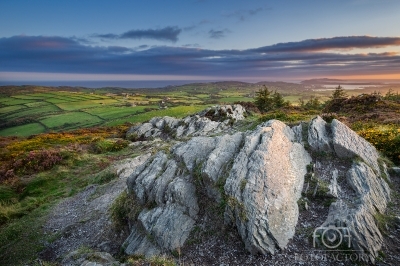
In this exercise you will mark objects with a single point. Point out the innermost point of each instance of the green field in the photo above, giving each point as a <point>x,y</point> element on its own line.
<point>109,113</point>
<point>179,111</point>
<point>11,108</point>
<point>71,120</point>
<point>72,105</point>
<point>35,109</point>
<point>24,130</point>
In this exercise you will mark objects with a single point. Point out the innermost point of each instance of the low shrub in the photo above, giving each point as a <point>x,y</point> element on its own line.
<point>385,138</point>
<point>125,209</point>
<point>108,145</point>
<point>36,161</point>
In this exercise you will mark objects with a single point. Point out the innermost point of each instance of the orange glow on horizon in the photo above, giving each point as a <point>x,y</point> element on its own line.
<point>368,77</point>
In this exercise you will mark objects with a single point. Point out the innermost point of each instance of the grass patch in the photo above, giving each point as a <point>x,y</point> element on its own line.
<point>34,112</point>
<point>111,112</point>
<point>179,111</point>
<point>125,208</point>
<point>21,240</point>
<point>10,109</point>
<point>24,130</point>
<point>70,120</point>
<point>78,105</point>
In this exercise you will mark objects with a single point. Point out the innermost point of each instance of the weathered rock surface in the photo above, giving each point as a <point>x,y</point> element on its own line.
<point>353,212</point>
<point>221,112</point>
<point>318,135</point>
<point>167,225</point>
<point>264,185</point>
<point>334,187</point>
<point>213,120</point>
<point>356,215</point>
<point>260,176</point>
<point>262,189</point>
<point>348,144</point>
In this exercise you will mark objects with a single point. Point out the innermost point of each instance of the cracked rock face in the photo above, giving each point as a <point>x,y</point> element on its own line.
<point>264,185</point>
<point>357,213</point>
<point>319,135</point>
<point>260,175</point>
<point>348,144</point>
<point>369,193</point>
<point>212,120</point>
<point>265,172</point>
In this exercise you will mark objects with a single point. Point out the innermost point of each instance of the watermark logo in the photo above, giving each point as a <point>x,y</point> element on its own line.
<point>337,243</point>
<point>331,236</point>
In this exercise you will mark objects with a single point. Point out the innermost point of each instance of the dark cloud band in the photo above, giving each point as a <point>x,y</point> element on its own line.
<point>164,34</point>
<point>68,55</point>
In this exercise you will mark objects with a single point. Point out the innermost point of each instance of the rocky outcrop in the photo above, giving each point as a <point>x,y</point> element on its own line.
<point>347,144</point>
<point>264,185</point>
<point>259,175</point>
<point>262,173</point>
<point>355,216</point>
<point>170,206</point>
<point>367,191</point>
<point>319,136</point>
<point>212,120</point>
<point>223,112</point>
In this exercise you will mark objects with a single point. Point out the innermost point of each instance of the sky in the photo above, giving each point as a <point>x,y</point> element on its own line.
<point>109,42</point>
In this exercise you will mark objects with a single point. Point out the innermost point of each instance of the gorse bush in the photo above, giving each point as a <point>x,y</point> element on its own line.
<point>385,138</point>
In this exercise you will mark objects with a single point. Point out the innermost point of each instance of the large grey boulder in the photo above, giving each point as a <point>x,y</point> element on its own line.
<point>216,166</point>
<point>194,151</point>
<point>140,244</point>
<point>169,207</point>
<point>348,144</point>
<point>319,136</point>
<point>168,227</point>
<point>264,185</point>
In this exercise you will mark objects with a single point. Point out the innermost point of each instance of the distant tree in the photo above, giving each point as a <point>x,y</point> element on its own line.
<point>313,103</point>
<point>264,100</point>
<point>278,100</point>
<point>267,100</point>
<point>301,102</point>
<point>338,93</point>
<point>391,96</point>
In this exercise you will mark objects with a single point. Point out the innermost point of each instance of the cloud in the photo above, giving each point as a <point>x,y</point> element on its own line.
<point>55,54</point>
<point>106,36</point>
<point>348,42</point>
<point>118,49</point>
<point>200,23</point>
<point>243,14</point>
<point>165,34</point>
<point>217,34</point>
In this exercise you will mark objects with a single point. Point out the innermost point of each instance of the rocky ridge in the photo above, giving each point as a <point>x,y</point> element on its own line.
<point>213,120</point>
<point>275,186</point>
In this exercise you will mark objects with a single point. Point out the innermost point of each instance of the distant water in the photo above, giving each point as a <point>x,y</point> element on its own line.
<point>100,84</point>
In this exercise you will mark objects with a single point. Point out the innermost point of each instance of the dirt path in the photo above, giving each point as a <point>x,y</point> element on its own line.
<point>84,219</point>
